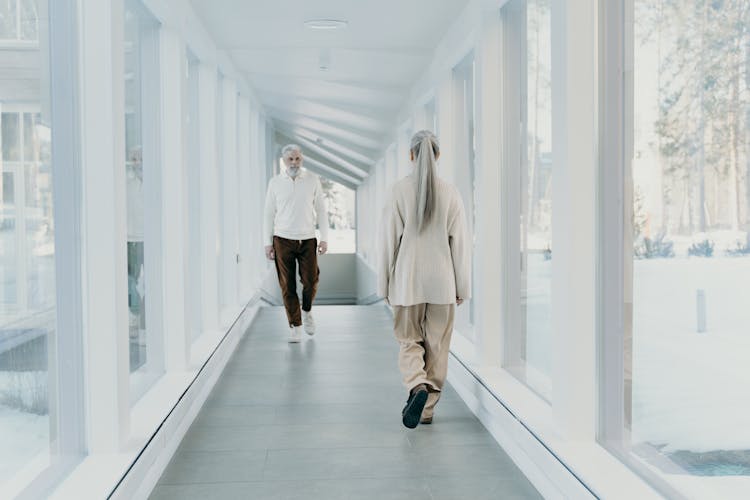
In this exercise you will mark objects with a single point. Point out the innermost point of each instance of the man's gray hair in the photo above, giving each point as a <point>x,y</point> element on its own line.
<point>290,148</point>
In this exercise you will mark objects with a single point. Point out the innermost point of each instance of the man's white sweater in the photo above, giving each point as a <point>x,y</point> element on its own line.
<point>292,205</point>
<point>432,267</point>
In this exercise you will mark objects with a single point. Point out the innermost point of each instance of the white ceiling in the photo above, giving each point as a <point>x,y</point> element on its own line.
<point>341,117</point>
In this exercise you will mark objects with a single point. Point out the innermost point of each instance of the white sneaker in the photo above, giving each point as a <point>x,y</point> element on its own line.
<point>309,322</point>
<point>296,335</point>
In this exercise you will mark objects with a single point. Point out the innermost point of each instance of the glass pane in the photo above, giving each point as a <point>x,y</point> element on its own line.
<point>134,185</point>
<point>8,267</point>
<point>536,198</point>
<point>30,140</point>
<point>341,233</point>
<point>430,116</point>
<point>193,251</point>
<point>8,20</point>
<point>11,136</point>
<point>29,20</point>
<point>465,136</point>
<point>27,266</point>
<point>686,293</point>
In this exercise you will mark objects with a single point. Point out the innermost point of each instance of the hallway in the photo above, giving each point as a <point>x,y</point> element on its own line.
<point>320,420</point>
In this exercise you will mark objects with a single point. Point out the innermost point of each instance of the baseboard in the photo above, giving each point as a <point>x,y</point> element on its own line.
<point>335,301</point>
<point>370,300</point>
<point>144,474</point>
<point>548,475</point>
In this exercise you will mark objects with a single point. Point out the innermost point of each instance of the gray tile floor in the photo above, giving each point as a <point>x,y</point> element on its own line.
<point>322,420</point>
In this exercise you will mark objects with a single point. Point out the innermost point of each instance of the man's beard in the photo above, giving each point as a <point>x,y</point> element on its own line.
<point>292,171</point>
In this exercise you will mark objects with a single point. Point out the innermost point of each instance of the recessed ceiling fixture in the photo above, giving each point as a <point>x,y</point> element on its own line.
<point>326,24</point>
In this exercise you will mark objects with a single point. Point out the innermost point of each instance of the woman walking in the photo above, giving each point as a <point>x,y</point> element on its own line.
<point>424,272</point>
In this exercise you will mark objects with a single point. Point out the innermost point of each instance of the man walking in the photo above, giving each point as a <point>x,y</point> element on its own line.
<point>293,201</point>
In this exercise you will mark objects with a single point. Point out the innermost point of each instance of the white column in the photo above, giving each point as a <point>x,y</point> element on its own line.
<point>173,183</point>
<point>229,193</point>
<point>104,266</point>
<point>207,81</point>
<point>244,201</point>
<point>574,133</point>
<point>488,297</point>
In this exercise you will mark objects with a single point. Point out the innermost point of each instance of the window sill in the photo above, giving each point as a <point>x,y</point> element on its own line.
<point>585,461</point>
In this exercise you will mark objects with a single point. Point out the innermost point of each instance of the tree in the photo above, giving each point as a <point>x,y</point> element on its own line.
<point>338,215</point>
<point>703,125</point>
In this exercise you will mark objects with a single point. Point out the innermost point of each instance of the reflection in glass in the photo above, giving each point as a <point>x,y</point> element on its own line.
<point>688,244</point>
<point>134,184</point>
<point>8,23</point>
<point>19,20</point>
<point>29,29</point>
<point>27,256</point>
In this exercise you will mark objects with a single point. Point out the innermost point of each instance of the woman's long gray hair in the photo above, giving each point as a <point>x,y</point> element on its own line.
<point>425,148</point>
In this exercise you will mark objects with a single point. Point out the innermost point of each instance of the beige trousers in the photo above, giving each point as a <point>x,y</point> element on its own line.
<point>424,334</point>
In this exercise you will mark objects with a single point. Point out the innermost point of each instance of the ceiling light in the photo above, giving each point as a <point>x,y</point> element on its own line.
<point>326,24</point>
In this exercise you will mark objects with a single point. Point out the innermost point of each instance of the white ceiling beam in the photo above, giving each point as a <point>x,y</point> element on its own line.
<point>332,145</point>
<point>313,162</point>
<point>371,109</point>
<point>356,170</point>
<point>366,140</point>
<point>389,96</point>
<point>367,122</point>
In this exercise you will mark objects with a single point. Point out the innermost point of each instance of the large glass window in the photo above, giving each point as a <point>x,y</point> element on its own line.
<point>141,164</point>
<point>687,241</point>
<point>341,210</point>
<point>431,117</point>
<point>193,226</point>
<point>19,21</point>
<point>27,255</point>
<point>528,102</point>
<point>465,143</point>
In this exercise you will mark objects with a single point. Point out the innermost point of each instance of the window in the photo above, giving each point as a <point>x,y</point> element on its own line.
<point>141,170</point>
<point>687,239</point>
<point>528,102</point>
<point>465,144</point>
<point>28,384</point>
<point>19,21</point>
<point>193,226</point>
<point>430,116</point>
<point>341,211</point>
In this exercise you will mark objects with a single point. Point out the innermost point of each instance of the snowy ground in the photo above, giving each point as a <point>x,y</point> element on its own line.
<point>23,436</point>
<point>689,388</point>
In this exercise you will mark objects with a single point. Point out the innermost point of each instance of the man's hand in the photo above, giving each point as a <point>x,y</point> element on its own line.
<point>270,253</point>
<point>459,301</point>
<point>322,247</point>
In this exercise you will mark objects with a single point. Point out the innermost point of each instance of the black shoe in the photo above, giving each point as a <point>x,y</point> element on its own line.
<point>412,412</point>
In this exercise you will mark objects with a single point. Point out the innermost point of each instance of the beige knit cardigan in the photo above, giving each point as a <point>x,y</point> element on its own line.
<point>432,267</point>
